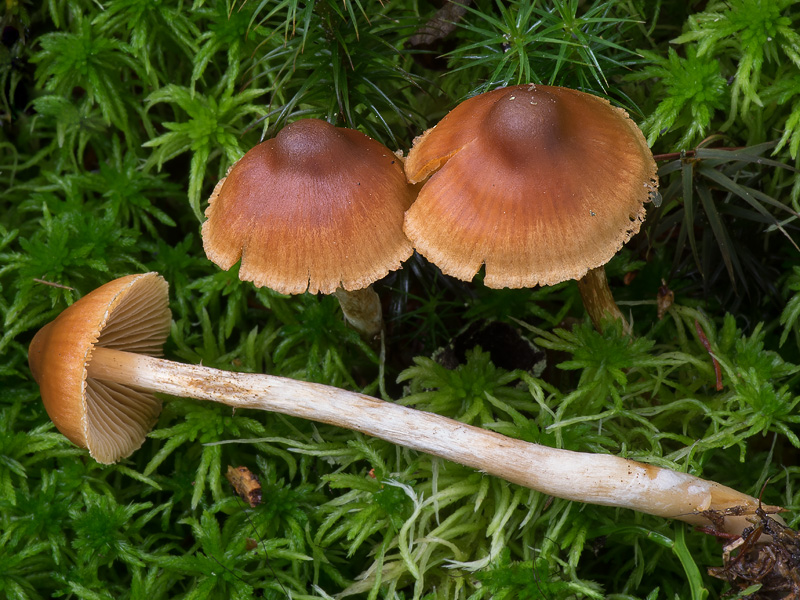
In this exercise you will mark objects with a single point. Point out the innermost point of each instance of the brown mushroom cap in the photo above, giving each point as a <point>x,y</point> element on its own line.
<point>111,420</point>
<point>538,183</point>
<point>315,208</point>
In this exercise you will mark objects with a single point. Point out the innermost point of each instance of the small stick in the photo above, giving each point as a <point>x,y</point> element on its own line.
<point>246,484</point>
<point>689,153</point>
<point>55,285</point>
<point>707,345</point>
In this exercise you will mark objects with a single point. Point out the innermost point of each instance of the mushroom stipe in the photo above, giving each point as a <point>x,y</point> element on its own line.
<point>97,374</point>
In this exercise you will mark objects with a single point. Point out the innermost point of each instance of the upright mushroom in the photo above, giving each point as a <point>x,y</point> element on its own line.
<point>541,184</point>
<point>97,382</point>
<point>318,209</point>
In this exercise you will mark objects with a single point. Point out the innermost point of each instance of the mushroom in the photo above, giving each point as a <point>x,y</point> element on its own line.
<point>318,209</point>
<point>541,184</point>
<point>98,373</point>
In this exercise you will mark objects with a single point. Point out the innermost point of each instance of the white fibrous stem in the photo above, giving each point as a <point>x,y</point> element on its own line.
<point>593,478</point>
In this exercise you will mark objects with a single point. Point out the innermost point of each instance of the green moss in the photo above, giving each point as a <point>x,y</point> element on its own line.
<point>117,122</point>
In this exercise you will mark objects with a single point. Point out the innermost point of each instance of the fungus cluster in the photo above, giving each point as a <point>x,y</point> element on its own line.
<point>538,184</point>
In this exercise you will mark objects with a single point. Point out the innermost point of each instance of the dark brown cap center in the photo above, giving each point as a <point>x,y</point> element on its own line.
<point>524,122</point>
<point>308,141</point>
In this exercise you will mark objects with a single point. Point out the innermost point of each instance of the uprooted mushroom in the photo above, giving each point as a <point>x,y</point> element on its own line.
<point>98,373</point>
